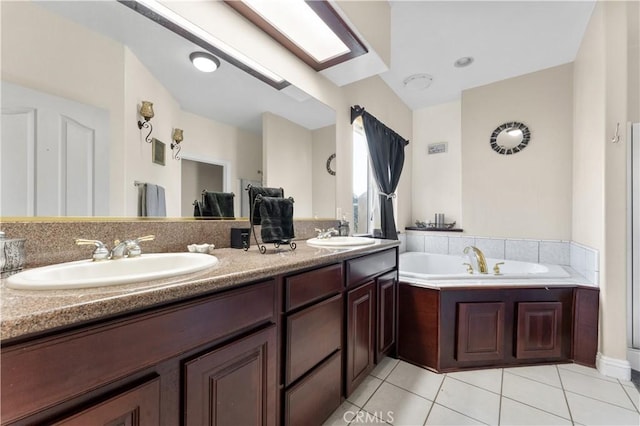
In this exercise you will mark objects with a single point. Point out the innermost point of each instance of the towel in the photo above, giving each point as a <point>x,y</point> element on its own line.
<point>151,200</point>
<point>218,204</point>
<point>277,219</point>
<point>254,191</point>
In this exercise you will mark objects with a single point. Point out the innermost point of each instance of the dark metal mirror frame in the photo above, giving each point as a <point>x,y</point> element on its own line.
<point>526,137</point>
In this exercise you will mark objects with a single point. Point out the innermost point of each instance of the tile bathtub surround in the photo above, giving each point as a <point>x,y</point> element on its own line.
<point>562,394</point>
<point>50,242</point>
<point>586,261</point>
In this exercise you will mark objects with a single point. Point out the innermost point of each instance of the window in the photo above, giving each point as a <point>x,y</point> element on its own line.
<point>365,191</point>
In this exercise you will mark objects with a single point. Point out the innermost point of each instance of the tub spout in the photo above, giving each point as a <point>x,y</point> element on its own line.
<point>480,259</point>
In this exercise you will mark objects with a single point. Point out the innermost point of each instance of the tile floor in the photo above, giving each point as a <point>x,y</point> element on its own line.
<point>399,393</point>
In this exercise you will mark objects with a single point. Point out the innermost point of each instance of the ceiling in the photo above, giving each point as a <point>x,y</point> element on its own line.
<point>506,39</point>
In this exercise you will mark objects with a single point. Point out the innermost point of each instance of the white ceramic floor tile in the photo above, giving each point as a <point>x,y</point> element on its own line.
<point>487,379</point>
<point>516,413</point>
<point>416,380</point>
<point>577,368</point>
<point>399,406</point>
<point>363,392</point>
<point>544,397</point>
<point>596,388</point>
<point>588,411</point>
<point>343,415</point>
<point>469,400</point>
<point>440,415</point>
<point>547,374</point>
<point>634,394</point>
<point>384,367</point>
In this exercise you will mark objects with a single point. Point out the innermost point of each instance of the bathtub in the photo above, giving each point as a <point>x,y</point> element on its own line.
<point>436,267</point>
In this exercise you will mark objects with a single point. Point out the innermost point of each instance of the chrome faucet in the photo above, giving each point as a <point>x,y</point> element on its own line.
<point>100,253</point>
<point>480,259</point>
<point>129,248</point>
<point>324,234</point>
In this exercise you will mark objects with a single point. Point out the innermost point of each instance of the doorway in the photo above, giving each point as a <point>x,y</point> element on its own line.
<point>196,177</point>
<point>634,250</point>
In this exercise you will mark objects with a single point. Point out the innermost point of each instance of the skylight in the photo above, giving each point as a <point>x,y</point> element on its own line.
<point>300,24</point>
<point>311,30</point>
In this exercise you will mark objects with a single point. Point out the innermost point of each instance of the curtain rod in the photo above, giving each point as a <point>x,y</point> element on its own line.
<point>358,111</point>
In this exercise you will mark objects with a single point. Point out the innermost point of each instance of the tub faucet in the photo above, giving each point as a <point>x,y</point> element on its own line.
<point>480,259</point>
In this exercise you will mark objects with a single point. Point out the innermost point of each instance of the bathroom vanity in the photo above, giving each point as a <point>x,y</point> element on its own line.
<point>280,338</point>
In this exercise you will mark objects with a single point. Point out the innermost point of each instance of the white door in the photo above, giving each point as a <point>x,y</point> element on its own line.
<point>54,156</point>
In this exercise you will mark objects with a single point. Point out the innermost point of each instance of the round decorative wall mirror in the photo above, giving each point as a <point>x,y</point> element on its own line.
<point>510,138</point>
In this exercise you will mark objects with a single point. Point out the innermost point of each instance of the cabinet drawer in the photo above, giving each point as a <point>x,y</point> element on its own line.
<point>363,268</point>
<point>317,396</point>
<point>139,406</point>
<point>310,286</point>
<point>312,335</point>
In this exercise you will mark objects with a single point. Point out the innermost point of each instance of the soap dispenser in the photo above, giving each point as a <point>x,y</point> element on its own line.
<point>11,255</point>
<point>343,227</point>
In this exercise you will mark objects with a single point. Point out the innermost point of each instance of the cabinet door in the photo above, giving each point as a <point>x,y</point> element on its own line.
<point>233,385</point>
<point>386,296</point>
<point>360,334</point>
<point>539,330</point>
<point>139,406</point>
<point>480,331</point>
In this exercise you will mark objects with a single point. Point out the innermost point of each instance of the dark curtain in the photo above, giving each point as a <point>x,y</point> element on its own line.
<point>386,149</point>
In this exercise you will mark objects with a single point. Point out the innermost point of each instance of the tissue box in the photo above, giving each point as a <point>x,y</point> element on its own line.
<point>240,238</point>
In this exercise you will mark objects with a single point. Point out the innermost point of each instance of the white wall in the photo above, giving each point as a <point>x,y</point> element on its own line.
<point>437,178</point>
<point>287,152</point>
<point>527,194</point>
<point>604,75</point>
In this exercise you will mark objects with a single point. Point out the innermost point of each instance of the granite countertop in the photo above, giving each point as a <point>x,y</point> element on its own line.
<point>26,312</point>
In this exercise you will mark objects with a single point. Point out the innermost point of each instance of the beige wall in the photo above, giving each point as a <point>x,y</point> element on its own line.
<point>196,177</point>
<point>47,59</point>
<point>527,194</point>
<point>324,184</point>
<point>437,178</point>
<point>287,152</point>
<point>606,93</point>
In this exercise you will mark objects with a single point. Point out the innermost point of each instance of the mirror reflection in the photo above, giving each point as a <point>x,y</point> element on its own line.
<point>74,76</point>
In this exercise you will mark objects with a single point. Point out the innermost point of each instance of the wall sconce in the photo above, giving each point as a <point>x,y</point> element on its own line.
<point>146,111</point>
<point>177,137</point>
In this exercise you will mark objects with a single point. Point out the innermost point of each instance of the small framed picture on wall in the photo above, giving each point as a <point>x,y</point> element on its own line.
<point>157,151</point>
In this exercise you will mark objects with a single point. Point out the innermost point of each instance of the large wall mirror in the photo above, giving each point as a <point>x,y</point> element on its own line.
<point>92,64</point>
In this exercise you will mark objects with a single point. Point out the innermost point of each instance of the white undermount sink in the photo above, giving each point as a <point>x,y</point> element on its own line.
<point>341,242</point>
<point>87,273</point>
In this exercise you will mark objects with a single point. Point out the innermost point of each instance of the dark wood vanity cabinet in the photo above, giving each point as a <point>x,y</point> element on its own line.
<point>313,336</point>
<point>371,314</point>
<point>361,326</point>
<point>85,375</point>
<point>452,329</point>
<point>234,384</point>
<point>283,350</point>
<point>387,314</point>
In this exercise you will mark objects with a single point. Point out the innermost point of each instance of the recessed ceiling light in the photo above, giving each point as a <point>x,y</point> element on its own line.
<point>204,61</point>
<point>418,81</point>
<point>465,61</point>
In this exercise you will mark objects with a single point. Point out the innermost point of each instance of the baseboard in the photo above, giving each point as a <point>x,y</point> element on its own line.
<point>612,367</point>
<point>633,355</point>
